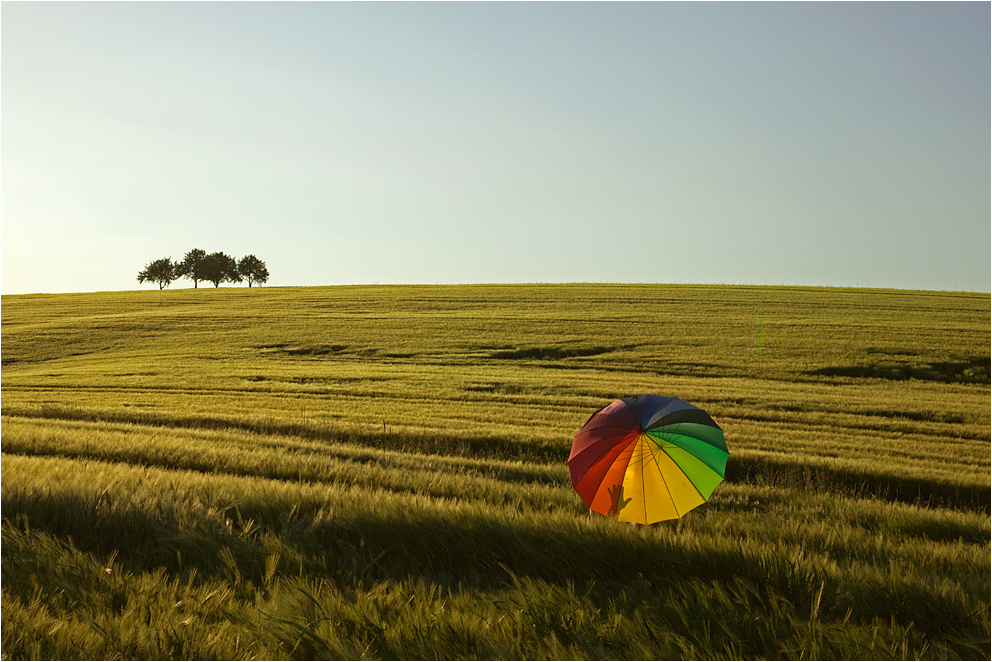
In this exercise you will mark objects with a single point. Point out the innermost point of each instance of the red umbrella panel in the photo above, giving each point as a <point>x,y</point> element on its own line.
<point>647,458</point>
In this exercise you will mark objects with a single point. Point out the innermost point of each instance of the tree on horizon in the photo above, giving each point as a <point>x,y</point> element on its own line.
<point>220,268</point>
<point>192,266</point>
<point>161,271</point>
<point>253,270</point>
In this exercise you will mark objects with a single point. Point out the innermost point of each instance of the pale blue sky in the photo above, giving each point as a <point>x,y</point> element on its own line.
<point>814,144</point>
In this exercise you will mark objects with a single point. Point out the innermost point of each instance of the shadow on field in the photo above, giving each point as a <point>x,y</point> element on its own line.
<point>550,353</point>
<point>972,370</point>
<point>478,446</point>
<point>361,547</point>
<point>858,483</point>
<point>832,477</point>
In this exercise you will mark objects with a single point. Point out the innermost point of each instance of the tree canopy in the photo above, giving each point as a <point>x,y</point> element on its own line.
<point>192,266</point>
<point>161,271</point>
<point>220,268</point>
<point>253,270</point>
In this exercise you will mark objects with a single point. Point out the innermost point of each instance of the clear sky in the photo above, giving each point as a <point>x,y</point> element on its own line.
<point>812,144</point>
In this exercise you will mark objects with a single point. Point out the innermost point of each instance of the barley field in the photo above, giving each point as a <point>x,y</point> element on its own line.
<point>379,472</point>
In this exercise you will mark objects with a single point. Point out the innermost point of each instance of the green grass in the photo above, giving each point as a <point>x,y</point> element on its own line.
<point>380,472</point>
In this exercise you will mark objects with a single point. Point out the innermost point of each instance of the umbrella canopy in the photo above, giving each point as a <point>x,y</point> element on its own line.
<point>647,458</point>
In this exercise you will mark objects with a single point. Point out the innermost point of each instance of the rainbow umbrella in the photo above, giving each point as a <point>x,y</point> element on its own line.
<point>647,458</point>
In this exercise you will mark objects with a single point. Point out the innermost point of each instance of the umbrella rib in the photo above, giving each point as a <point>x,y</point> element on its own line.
<point>675,442</point>
<point>662,474</point>
<point>690,481</point>
<point>644,497</point>
<point>607,450</point>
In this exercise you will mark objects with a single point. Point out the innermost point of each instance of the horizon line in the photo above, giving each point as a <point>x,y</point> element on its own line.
<point>521,284</point>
